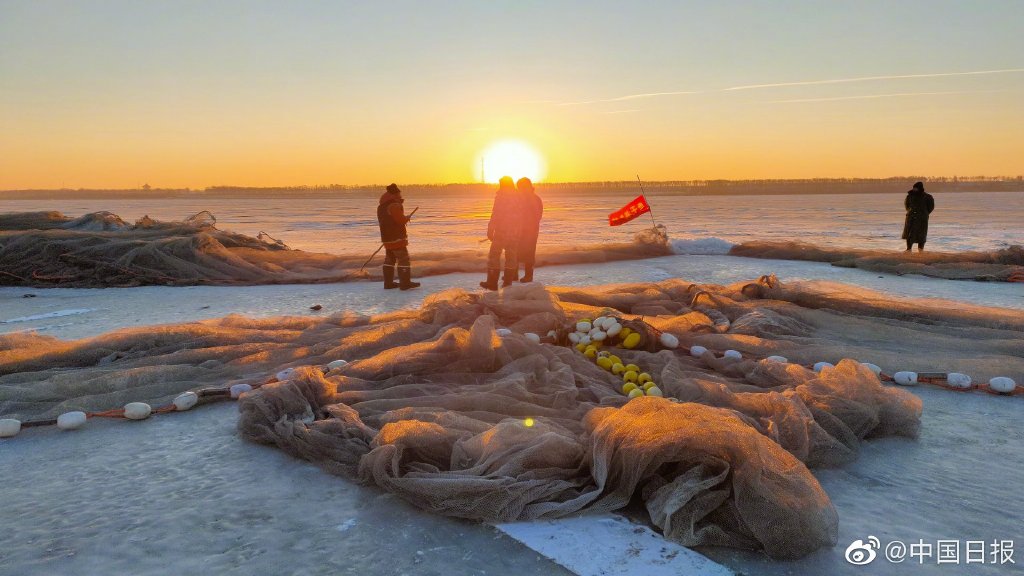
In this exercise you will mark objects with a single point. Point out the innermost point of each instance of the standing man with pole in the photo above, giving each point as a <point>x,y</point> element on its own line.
<point>392,220</point>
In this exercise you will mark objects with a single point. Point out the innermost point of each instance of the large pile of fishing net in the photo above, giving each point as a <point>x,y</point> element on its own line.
<point>438,408</point>
<point>101,250</point>
<point>1004,265</point>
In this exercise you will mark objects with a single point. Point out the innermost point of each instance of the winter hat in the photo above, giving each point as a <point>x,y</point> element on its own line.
<point>524,184</point>
<point>505,183</point>
<point>919,186</point>
<point>393,188</point>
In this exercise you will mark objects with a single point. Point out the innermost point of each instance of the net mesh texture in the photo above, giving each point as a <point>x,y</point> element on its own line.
<point>101,250</point>
<point>439,409</point>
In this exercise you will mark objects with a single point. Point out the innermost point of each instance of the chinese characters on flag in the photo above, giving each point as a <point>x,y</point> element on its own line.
<point>630,211</point>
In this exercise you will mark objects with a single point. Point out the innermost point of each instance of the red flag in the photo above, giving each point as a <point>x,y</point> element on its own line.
<point>635,208</point>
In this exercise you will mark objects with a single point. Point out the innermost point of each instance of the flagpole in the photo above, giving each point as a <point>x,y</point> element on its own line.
<point>649,210</point>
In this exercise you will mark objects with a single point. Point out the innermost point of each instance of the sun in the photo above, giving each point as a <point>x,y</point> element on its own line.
<point>513,158</point>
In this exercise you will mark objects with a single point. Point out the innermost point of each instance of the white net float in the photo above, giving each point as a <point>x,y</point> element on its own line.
<point>669,341</point>
<point>137,410</point>
<point>532,337</point>
<point>1002,384</point>
<point>503,332</point>
<point>335,364</point>
<point>185,401</point>
<point>9,427</point>
<point>285,375</point>
<point>873,367</point>
<point>598,335</point>
<point>613,328</point>
<point>239,389</point>
<point>779,359</point>
<point>71,420</point>
<point>822,365</point>
<point>574,337</point>
<point>734,354</point>
<point>905,378</point>
<point>697,351</point>
<point>584,326</point>
<point>958,380</point>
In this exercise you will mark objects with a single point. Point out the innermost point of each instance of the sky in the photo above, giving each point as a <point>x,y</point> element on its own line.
<point>194,94</point>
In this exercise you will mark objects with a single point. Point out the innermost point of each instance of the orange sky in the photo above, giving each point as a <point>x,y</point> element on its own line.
<point>121,94</point>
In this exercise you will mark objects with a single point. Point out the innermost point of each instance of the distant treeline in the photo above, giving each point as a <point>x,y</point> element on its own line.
<point>681,187</point>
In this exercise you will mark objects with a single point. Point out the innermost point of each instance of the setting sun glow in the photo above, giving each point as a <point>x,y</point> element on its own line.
<point>510,158</point>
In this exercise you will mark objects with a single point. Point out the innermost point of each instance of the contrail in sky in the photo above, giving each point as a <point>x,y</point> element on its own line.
<point>870,96</point>
<point>807,83</point>
<point>874,78</point>
<point>629,97</point>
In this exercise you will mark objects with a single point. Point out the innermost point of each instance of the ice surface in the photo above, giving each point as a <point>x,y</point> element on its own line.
<point>1000,265</point>
<point>111,309</point>
<point>182,494</point>
<point>450,220</point>
<point>608,544</point>
<point>47,315</point>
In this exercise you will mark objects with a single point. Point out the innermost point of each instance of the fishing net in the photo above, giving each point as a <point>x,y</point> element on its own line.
<point>101,250</point>
<point>439,409</point>
<point>1002,265</point>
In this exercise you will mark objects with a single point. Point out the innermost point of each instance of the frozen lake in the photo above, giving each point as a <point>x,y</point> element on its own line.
<point>449,220</point>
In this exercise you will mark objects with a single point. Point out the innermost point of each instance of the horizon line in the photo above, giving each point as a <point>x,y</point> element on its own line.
<point>216,187</point>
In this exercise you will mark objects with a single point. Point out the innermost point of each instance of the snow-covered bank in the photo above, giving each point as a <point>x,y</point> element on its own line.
<point>146,305</point>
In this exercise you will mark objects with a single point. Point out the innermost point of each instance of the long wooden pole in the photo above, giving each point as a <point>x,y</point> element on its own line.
<point>649,210</point>
<point>375,252</point>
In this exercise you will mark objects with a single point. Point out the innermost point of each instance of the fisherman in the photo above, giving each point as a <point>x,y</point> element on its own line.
<point>503,232</point>
<point>531,213</point>
<point>392,220</point>
<point>919,204</point>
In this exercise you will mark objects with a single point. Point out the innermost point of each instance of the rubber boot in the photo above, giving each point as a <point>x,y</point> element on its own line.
<point>492,279</point>
<point>511,275</point>
<point>404,279</point>
<point>389,277</point>
<point>527,274</point>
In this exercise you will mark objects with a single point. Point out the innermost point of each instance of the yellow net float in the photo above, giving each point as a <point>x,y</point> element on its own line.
<point>629,376</point>
<point>631,341</point>
<point>628,387</point>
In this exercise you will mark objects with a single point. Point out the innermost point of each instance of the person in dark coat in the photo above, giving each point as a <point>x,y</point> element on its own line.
<point>532,211</point>
<point>503,232</point>
<point>392,220</point>
<point>919,204</point>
